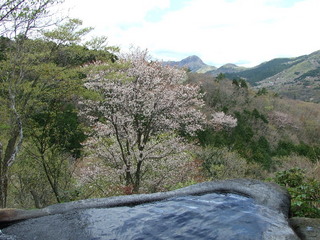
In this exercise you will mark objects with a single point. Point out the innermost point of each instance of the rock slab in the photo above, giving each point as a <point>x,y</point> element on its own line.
<point>269,195</point>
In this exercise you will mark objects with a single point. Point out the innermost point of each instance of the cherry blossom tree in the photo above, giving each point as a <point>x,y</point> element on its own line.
<point>281,119</point>
<point>220,120</point>
<point>141,108</point>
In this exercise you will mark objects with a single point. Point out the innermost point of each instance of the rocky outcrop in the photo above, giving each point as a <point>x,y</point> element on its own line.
<point>269,195</point>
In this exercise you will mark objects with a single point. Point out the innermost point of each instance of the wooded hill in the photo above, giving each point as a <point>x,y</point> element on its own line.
<point>296,78</point>
<point>263,117</point>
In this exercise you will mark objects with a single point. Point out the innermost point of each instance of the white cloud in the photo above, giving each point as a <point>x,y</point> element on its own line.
<point>110,12</point>
<point>219,31</point>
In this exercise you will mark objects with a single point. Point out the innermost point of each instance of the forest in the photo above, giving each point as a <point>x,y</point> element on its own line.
<point>81,119</point>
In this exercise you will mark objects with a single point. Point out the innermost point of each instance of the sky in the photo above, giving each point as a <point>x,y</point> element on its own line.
<point>243,32</point>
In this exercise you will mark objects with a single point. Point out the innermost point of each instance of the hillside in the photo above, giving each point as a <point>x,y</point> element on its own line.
<point>267,69</point>
<point>296,78</point>
<point>227,68</point>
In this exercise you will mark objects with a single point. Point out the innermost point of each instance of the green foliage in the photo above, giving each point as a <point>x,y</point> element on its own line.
<point>286,148</point>
<point>4,44</point>
<point>255,114</point>
<point>58,126</point>
<point>40,180</point>
<point>75,55</point>
<point>66,50</point>
<point>266,70</point>
<point>40,81</point>
<point>305,192</point>
<point>262,91</point>
<point>68,33</point>
<point>29,188</point>
<point>290,178</point>
<point>221,76</point>
<point>311,73</point>
<point>243,138</point>
<point>54,135</point>
<point>240,83</point>
<point>221,163</point>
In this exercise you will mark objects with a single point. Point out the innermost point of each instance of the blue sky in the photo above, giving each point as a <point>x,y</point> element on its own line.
<point>244,32</point>
<point>157,14</point>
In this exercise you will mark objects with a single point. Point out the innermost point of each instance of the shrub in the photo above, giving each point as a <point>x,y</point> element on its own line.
<point>310,168</point>
<point>305,192</point>
<point>286,148</point>
<point>221,163</point>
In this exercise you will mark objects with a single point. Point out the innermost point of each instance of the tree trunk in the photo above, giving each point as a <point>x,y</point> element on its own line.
<point>52,182</point>
<point>136,185</point>
<point>36,199</point>
<point>4,167</point>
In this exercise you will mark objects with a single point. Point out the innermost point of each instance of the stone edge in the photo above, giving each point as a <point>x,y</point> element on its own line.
<point>267,194</point>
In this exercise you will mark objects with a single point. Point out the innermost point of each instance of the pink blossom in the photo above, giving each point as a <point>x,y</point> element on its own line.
<point>142,106</point>
<point>220,120</point>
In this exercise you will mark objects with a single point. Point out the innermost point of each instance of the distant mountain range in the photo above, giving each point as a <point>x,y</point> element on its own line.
<point>297,77</point>
<point>195,64</point>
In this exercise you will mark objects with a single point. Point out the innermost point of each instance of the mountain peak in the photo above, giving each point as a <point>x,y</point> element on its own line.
<point>229,65</point>
<point>192,58</point>
<point>194,63</point>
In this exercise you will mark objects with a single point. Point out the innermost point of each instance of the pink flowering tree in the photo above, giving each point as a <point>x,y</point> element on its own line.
<point>220,120</point>
<point>141,107</point>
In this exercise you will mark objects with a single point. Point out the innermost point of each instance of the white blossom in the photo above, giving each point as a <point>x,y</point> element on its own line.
<point>142,106</point>
<point>220,120</point>
<point>281,119</point>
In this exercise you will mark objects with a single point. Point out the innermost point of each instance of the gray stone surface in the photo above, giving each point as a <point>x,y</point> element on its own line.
<point>270,195</point>
<point>306,228</point>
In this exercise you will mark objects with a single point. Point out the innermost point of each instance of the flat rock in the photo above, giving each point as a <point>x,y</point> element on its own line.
<point>64,219</point>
